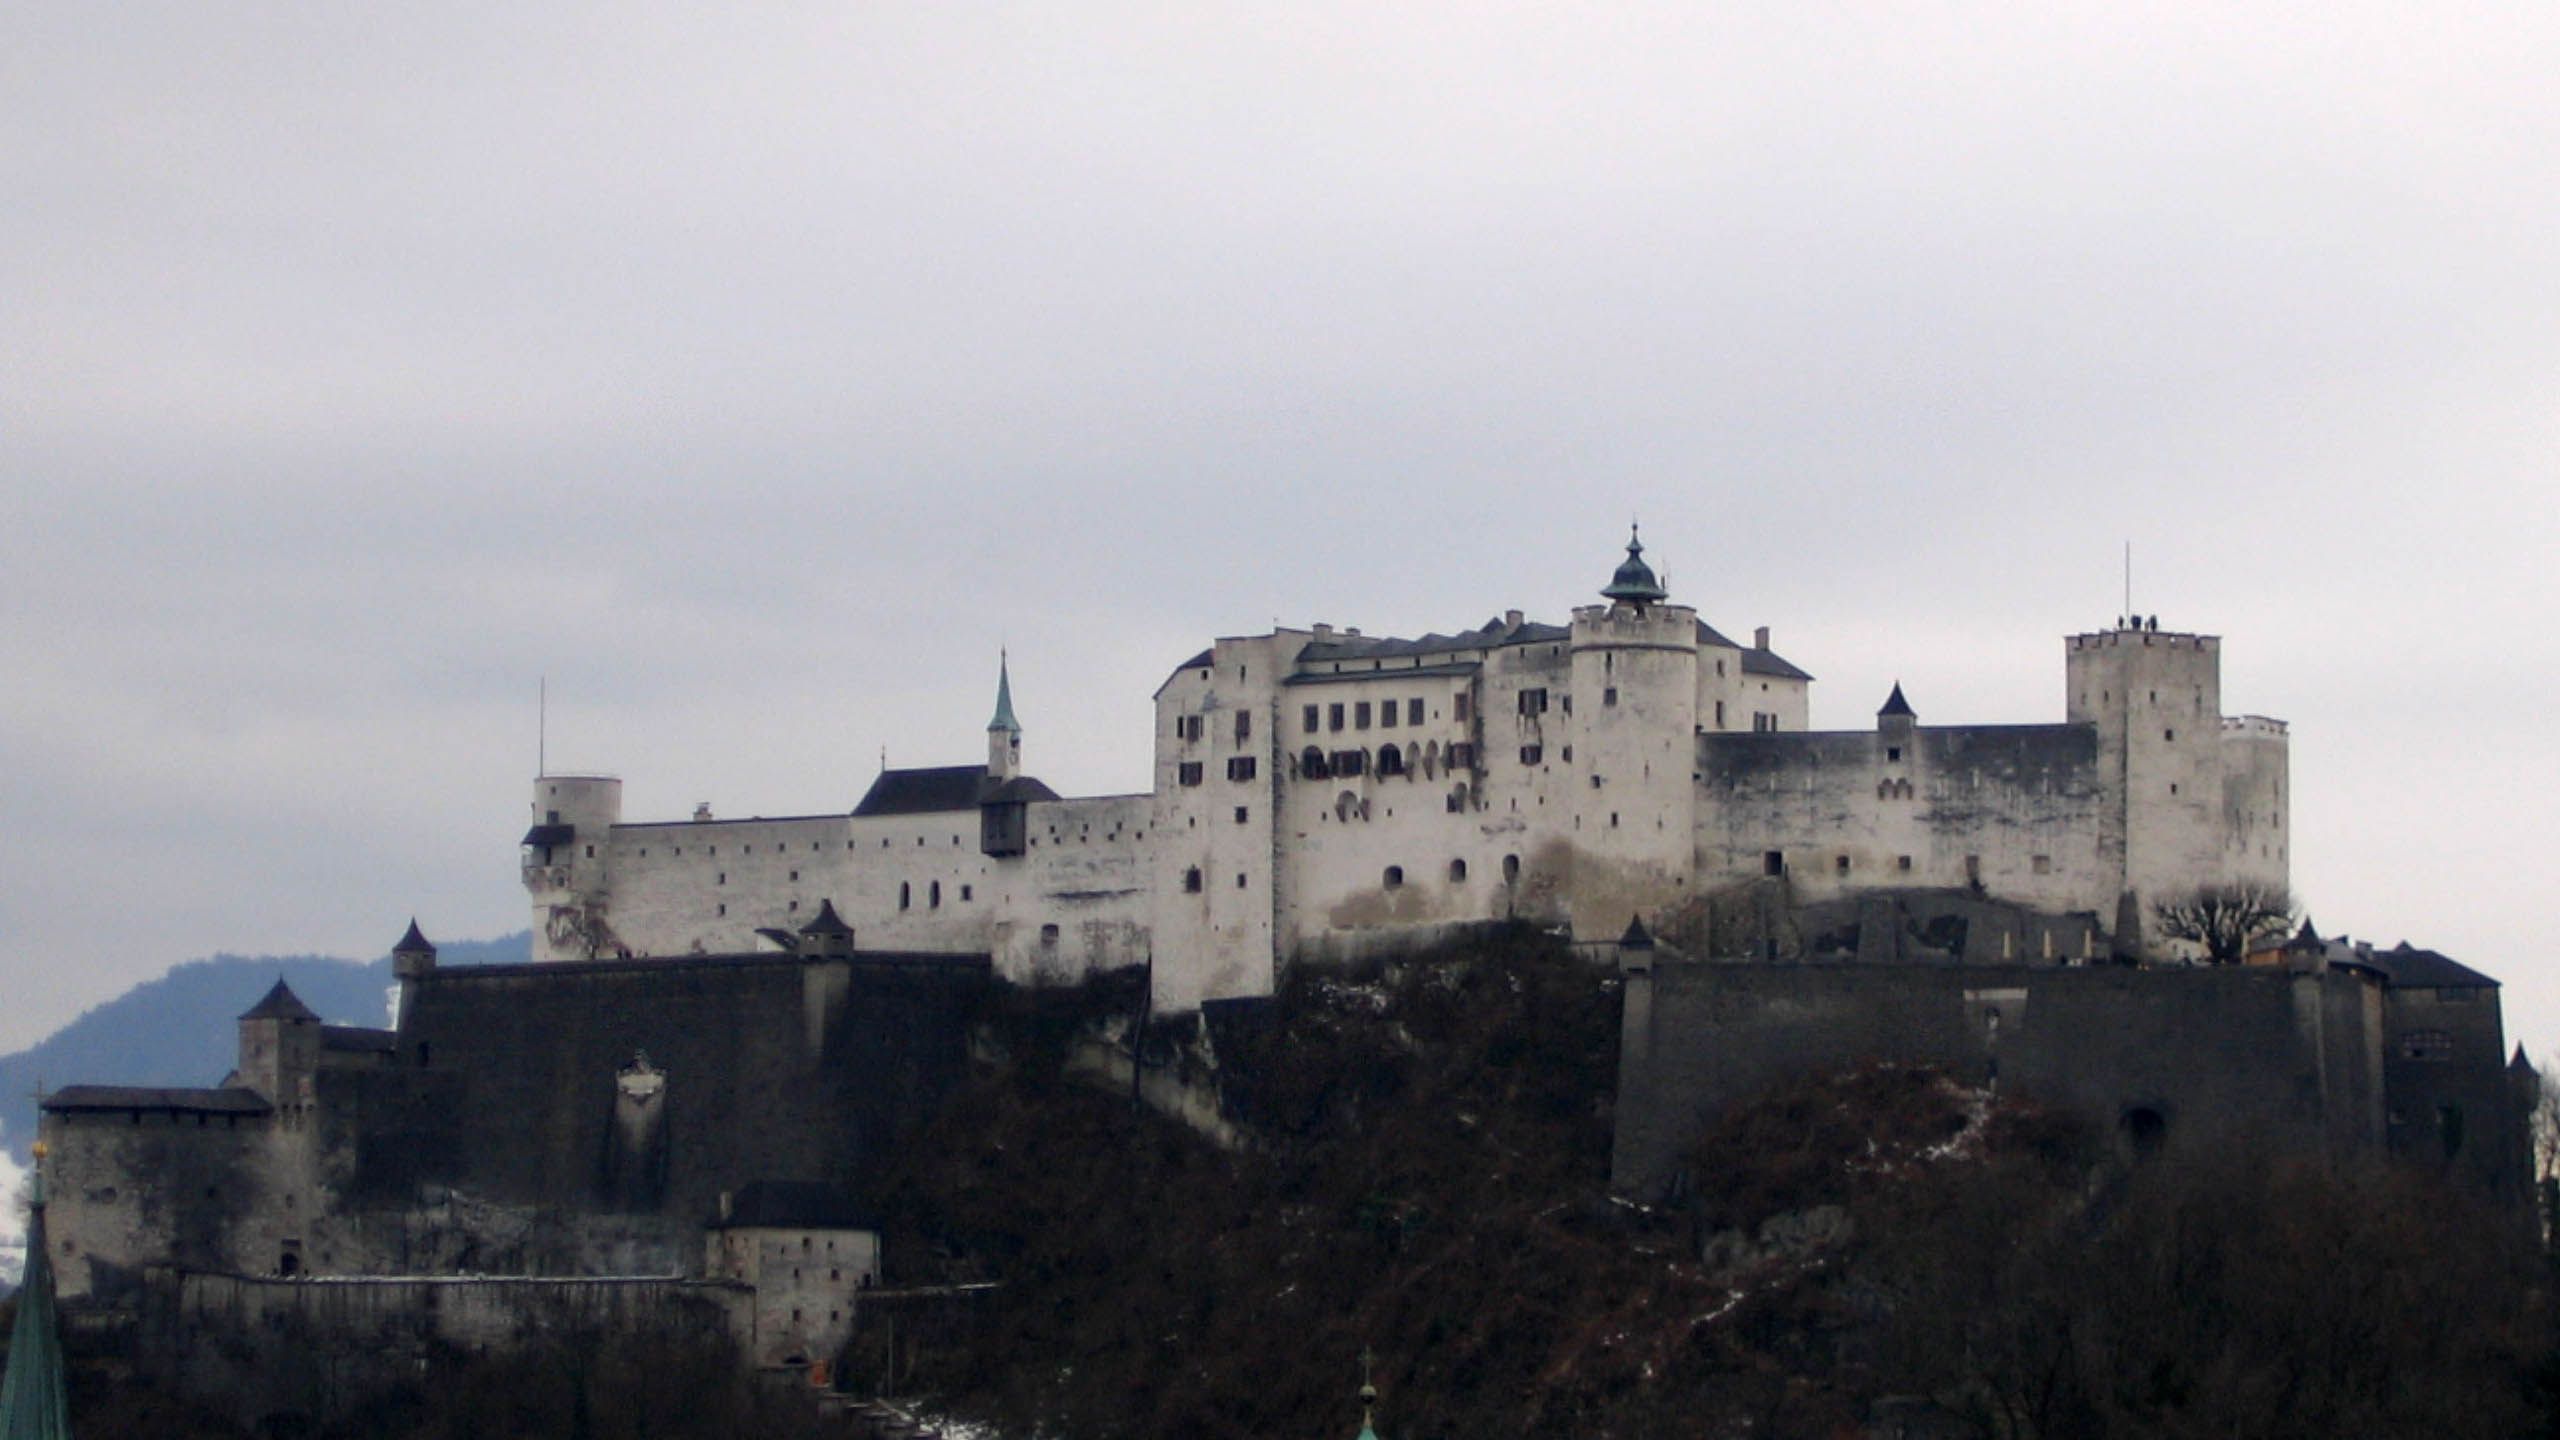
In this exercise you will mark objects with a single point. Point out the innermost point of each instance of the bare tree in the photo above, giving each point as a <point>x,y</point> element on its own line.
<point>2227,918</point>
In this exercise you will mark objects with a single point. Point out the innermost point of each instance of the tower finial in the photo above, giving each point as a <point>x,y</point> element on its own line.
<point>1368,1395</point>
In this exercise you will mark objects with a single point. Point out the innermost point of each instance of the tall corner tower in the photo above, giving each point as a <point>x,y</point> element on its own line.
<point>566,864</point>
<point>1635,725</point>
<point>2155,698</point>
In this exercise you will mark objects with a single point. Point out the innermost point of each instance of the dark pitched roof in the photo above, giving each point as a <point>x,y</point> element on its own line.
<point>281,1004</point>
<point>1755,661</point>
<point>828,921</point>
<point>416,940</point>
<point>923,791</point>
<point>1020,790</point>
<point>357,1039</point>
<point>1489,635</point>
<point>2413,969</point>
<point>1894,704</point>
<point>142,1097</point>
<point>1768,662</point>
<point>549,835</point>
<point>792,1205</point>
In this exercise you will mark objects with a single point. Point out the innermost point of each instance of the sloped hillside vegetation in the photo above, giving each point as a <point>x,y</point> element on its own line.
<point>1884,1249</point>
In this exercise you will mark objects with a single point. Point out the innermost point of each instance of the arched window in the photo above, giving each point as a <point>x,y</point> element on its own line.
<point>906,896</point>
<point>1311,764</point>
<point>1390,760</point>
<point>1510,869</point>
<point>1395,877</point>
<point>1457,872</point>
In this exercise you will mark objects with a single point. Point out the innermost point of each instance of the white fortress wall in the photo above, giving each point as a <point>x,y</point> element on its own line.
<point>2013,809</point>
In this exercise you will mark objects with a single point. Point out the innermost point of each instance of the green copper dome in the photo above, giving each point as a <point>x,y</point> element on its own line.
<point>1634,583</point>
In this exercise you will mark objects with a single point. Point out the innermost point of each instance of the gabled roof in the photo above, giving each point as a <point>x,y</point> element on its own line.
<point>2413,969</point>
<point>792,1205</point>
<point>1491,634</point>
<point>1768,662</point>
<point>281,1004</point>
<point>944,788</point>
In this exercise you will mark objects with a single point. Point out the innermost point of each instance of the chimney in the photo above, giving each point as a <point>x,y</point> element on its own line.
<point>702,811</point>
<point>1323,631</point>
<point>1511,619</point>
<point>1760,638</point>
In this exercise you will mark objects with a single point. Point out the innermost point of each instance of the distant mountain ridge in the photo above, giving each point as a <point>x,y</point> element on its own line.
<point>178,1029</point>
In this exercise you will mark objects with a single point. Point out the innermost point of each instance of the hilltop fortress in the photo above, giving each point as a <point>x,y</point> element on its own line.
<point>1320,793</point>
<point>676,1115</point>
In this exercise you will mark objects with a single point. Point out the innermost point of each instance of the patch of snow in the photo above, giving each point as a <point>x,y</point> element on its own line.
<point>13,1218</point>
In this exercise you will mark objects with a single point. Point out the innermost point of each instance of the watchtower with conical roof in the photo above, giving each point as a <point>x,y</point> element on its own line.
<point>1631,725</point>
<point>280,1047</point>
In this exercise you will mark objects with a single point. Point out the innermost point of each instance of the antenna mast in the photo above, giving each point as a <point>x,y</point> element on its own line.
<point>542,729</point>
<point>2128,577</point>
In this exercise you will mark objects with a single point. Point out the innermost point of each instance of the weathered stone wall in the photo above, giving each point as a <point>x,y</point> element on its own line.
<point>2011,809</point>
<point>773,1068</point>
<point>2225,1053</point>
<point>145,1187</point>
<point>318,1349</point>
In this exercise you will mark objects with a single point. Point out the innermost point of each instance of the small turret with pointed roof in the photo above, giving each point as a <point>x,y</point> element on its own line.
<point>34,1402</point>
<point>279,1045</point>
<point>281,1004</point>
<point>414,956</point>
<point>1634,583</point>
<point>1004,733</point>
<point>827,935</point>
<point>1894,718</point>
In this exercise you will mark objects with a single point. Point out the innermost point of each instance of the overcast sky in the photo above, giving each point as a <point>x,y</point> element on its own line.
<point>755,373</point>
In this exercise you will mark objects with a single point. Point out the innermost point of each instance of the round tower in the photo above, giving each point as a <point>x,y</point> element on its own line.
<point>1635,726</point>
<point>566,857</point>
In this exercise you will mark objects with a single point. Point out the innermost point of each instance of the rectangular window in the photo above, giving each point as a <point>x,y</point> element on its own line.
<point>1350,762</point>
<point>2042,864</point>
<point>1308,714</point>
<point>1193,726</point>
<point>1243,814</point>
<point>1240,767</point>
<point>1841,864</point>
<point>1462,756</point>
<point>1719,714</point>
<point>1333,716</point>
<point>1893,754</point>
<point>1609,696</point>
<point>1532,754</point>
<point>1244,725</point>
<point>1360,715</point>
<point>1902,863</point>
<point>1466,706</point>
<point>967,893</point>
<point>1413,711</point>
<point>1773,862</point>
<point>1533,702</point>
<point>1387,714</point>
<point>1188,772</point>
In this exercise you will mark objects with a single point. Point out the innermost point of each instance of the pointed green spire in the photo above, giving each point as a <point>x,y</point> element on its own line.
<point>1004,697</point>
<point>33,1403</point>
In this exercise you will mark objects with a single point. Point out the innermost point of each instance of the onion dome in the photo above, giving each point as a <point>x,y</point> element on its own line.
<point>1634,584</point>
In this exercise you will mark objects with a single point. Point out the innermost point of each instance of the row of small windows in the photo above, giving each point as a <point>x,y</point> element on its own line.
<point>1191,728</point>
<point>1239,767</point>
<point>1392,878</point>
<point>1315,764</point>
<point>933,895</point>
<point>1359,714</point>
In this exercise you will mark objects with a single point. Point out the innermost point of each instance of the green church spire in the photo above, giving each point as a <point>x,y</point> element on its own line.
<point>1004,697</point>
<point>32,1401</point>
